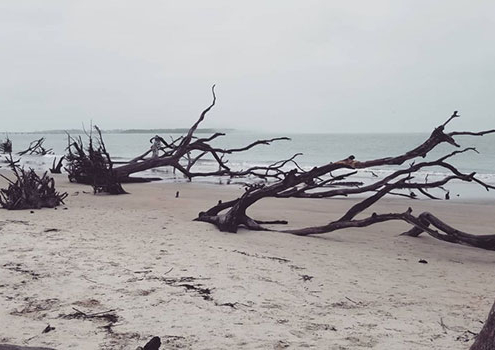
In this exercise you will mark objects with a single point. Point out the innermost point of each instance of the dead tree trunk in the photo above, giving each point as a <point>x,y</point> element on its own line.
<point>320,182</point>
<point>181,154</point>
<point>486,338</point>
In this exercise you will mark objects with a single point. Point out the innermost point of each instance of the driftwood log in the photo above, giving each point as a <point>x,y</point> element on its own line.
<point>57,166</point>
<point>182,154</point>
<point>486,338</point>
<point>36,148</point>
<point>28,190</point>
<point>6,146</point>
<point>327,181</point>
<point>190,149</point>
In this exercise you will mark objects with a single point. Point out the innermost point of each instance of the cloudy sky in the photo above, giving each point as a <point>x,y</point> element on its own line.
<point>279,65</point>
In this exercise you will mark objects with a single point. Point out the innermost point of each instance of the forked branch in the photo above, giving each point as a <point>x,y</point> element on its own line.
<point>320,182</point>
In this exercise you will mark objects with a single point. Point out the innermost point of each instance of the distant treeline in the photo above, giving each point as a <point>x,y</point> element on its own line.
<point>128,131</point>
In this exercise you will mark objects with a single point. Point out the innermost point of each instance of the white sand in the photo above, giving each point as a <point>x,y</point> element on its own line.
<point>113,252</point>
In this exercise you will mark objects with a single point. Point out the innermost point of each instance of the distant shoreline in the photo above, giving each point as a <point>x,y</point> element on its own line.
<point>123,131</point>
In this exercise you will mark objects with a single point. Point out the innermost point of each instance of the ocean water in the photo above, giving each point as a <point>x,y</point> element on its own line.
<point>317,149</point>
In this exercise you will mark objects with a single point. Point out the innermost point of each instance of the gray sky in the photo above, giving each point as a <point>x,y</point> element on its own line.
<point>310,66</point>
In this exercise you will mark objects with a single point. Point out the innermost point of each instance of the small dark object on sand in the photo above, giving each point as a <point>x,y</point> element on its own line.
<point>422,261</point>
<point>306,278</point>
<point>153,344</point>
<point>177,194</point>
<point>52,230</point>
<point>48,329</point>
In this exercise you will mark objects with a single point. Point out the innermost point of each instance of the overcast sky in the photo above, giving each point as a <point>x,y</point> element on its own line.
<point>279,65</point>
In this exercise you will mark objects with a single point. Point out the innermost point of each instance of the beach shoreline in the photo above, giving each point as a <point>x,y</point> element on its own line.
<point>162,274</point>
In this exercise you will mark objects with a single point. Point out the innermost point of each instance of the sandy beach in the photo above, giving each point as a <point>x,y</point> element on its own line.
<point>273,109</point>
<point>141,258</point>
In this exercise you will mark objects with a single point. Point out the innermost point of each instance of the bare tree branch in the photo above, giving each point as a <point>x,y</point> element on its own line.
<point>229,216</point>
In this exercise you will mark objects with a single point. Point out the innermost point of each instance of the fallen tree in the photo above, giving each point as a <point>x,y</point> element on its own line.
<point>332,180</point>
<point>28,190</point>
<point>486,338</point>
<point>182,154</point>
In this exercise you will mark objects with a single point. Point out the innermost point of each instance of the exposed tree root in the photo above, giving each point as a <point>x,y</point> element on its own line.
<point>6,146</point>
<point>92,165</point>
<point>88,164</point>
<point>28,190</point>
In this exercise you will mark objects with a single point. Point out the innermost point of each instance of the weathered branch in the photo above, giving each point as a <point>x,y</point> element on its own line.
<point>229,216</point>
<point>36,148</point>
<point>185,149</point>
<point>57,167</point>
